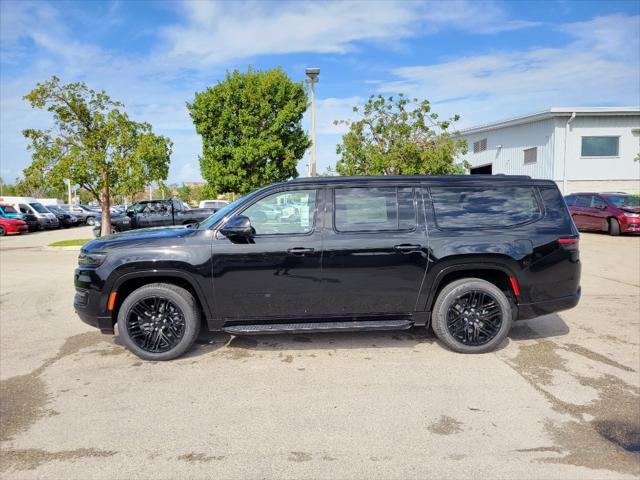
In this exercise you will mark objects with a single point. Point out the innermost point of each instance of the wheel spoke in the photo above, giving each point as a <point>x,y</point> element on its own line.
<point>155,324</point>
<point>474,318</point>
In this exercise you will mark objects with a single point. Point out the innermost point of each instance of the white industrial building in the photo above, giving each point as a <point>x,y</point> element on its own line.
<point>582,149</point>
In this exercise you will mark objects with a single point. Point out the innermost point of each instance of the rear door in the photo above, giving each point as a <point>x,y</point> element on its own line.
<point>375,250</point>
<point>580,211</point>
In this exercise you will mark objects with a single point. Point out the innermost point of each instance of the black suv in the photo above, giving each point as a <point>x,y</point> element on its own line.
<point>467,255</point>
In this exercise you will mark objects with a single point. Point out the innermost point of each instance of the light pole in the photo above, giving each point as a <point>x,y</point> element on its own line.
<point>312,75</point>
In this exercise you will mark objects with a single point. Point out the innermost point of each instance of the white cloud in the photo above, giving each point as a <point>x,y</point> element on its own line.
<point>216,32</point>
<point>599,66</point>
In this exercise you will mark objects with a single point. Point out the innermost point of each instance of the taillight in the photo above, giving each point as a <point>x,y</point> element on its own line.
<point>569,243</point>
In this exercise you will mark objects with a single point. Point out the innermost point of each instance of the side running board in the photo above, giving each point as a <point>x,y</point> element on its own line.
<point>318,327</point>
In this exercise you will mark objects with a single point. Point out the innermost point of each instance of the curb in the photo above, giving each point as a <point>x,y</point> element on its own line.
<point>57,249</point>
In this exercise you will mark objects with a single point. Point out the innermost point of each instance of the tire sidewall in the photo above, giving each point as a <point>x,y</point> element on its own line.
<point>614,227</point>
<point>449,294</point>
<point>90,221</point>
<point>3,231</point>
<point>182,298</point>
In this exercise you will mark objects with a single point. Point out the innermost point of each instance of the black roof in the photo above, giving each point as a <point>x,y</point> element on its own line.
<point>432,179</point>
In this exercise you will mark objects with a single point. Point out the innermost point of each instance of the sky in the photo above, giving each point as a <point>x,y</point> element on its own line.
<point>482,60</point>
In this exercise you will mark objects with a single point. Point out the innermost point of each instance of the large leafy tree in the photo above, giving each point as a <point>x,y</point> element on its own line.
<point>251,130</point>
<point>399,137</point>
<point>94,143</point>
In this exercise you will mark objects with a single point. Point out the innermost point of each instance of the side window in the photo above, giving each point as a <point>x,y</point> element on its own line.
<point>570,200</point>
<point>24,208</point>
<point>597,202</point>
<point>283,213</point>
<point>466,208</point>
<point>364,209</point>
<point>583,201</point>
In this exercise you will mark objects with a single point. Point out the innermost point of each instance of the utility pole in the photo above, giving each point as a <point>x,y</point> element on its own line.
<point>312,75</point>
<point>69,190</point>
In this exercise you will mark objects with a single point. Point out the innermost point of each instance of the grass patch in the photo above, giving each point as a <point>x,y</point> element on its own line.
<point>78,242</point>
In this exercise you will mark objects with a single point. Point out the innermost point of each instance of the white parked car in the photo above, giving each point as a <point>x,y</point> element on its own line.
<point>217,204</point>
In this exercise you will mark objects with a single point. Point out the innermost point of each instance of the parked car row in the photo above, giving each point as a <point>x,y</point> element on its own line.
<point>26,214</point>
<point>612,212</point>
<point>156,213</point>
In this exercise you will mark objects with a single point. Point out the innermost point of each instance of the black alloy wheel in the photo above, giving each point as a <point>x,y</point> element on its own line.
<point>472,315</point>
<point>474,318</point>
<point>159,321</point>
<point>156,324</point>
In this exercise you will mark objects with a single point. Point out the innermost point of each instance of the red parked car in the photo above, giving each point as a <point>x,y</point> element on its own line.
<point>615,213</point>
<point>10,226</point>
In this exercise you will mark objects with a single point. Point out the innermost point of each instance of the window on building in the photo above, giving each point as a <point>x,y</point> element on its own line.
<point>600,146</point>
<point>480,146</point>
<point>469,208</point>
<point>530,155</point>
<point>374,209</point>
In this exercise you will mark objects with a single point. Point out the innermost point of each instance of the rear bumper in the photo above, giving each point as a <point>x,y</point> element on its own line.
<point>537,309</point>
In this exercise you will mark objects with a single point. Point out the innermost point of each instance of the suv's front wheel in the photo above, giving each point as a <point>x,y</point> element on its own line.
<point>471,315</point>
<point>159,321</point>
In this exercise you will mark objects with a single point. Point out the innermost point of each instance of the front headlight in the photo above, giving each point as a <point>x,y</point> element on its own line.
<point>91,259</point>
<point>631,214</point>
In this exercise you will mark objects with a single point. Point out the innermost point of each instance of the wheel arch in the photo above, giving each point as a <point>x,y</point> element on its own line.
<point>129,282</point>
<point>495,269</point>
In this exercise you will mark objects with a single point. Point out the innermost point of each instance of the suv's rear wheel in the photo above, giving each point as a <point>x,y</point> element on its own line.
<point>471,315</point>
<point>159,321</point>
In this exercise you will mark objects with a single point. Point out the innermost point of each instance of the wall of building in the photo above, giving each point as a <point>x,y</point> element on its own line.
<point>620,168</point>
<point>626,186</point>
<point>509,158</point>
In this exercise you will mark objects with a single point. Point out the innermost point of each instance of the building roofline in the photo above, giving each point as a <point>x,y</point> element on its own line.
<point>551,113</point>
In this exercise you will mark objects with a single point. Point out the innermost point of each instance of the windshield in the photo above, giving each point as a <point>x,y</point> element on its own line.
<point>39,208</point>
<point>223,212</point>
<point>8,209</point>
<point>624,200</point>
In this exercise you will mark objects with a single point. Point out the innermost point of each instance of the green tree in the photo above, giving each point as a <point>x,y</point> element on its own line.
<point>251,130</point>
<point>7,188</point>
<point>184,193</point>
<point>399,137</point>
<point>94,143</point>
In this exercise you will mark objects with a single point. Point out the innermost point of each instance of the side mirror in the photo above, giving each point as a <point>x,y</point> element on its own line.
<point>601,207</point>
<point>237,227</point>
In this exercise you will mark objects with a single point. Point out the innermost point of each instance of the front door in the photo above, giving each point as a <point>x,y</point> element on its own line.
<point>277,272</point>
<point>375,250</point>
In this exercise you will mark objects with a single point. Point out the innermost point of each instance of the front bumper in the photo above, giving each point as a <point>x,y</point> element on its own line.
<point>89,303</point>
<point>537,309</point>
<point>630,225</point>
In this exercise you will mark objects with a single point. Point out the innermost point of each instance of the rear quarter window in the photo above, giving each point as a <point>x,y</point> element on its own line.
<point>477,207</point>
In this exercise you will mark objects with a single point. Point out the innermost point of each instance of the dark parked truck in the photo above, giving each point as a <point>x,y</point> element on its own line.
<point>466,255</point>
<point>162,213</point>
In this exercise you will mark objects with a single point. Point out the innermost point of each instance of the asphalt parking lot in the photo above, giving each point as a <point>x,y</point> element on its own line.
<point>560,399</point>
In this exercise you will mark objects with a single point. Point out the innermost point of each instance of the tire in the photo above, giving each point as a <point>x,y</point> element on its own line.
<point>91,221</point>
<point>3,231</point>
<point>131,333</point>
<point>460,291</point>
<point>614,227</point>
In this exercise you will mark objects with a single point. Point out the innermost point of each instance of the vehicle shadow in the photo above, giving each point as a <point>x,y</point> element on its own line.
<point>542,327</point>
<point>546,326</point>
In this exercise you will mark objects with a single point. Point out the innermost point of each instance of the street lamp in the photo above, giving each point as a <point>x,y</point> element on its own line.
<point>312,75</point>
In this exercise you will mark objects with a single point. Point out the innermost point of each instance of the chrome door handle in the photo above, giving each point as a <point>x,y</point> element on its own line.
<point>407,248</point>
<point>300,251</point>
